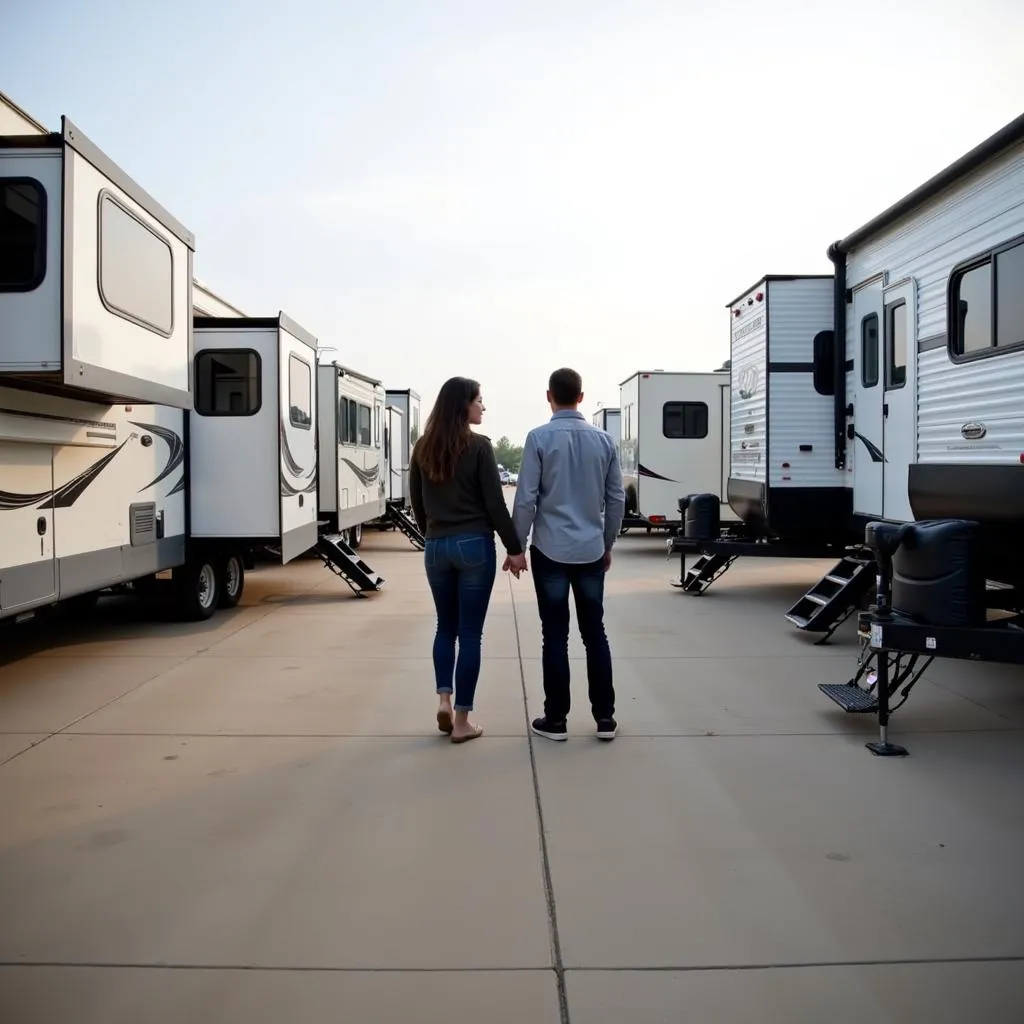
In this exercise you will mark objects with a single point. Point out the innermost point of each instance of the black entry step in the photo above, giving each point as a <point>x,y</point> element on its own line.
<point>705,571</point>
<point>831,601</point>
<point>344,562</point>
<point>850,697</point>
<point>400,518</point>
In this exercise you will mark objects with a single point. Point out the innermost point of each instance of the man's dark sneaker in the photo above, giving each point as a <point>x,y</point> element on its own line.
<point>549,730</point>
<point>606,728</point>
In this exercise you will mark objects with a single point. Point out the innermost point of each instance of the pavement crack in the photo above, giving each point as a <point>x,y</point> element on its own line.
<point>549,891</point>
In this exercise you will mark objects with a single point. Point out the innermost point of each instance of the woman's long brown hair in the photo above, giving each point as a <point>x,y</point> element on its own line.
<point>446,436</point>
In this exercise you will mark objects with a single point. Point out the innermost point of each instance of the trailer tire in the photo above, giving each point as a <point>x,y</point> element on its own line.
<point>355,537</point>
<point>230,580</point>
<point>196,584</point>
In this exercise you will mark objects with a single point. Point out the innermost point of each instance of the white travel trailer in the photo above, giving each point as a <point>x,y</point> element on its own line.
<point>610,421</point>
<point>407,402</point>
<point>95,372</point>
<point>783,482</point>
<point>353,479</point>
<point>674,442</point>
<point>929,420</point>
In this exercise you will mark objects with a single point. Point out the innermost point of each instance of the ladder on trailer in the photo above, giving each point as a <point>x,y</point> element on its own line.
<point>401,520</point>
<point>344,562</point>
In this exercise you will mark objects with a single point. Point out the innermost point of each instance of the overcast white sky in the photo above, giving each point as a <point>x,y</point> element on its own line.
<point>496,189</point>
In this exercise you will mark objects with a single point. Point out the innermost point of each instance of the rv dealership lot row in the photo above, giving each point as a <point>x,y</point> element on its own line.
<point>254,816</point>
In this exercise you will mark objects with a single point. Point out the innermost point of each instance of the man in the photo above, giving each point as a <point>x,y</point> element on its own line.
<point>570,493</point>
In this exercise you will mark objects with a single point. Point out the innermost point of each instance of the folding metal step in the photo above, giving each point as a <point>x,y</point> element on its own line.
<point>831,601</point>
<point>850,697</point>
<point>705,571</point>
<point>404,522</point>
<point>344,562</point>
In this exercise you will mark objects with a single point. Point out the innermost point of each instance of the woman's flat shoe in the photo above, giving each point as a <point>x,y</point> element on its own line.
<point>477,731</point>
<point>445,721</point>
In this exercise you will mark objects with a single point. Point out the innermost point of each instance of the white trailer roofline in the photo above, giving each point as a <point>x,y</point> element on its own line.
<point>282,321</point>
<point>72,136</point>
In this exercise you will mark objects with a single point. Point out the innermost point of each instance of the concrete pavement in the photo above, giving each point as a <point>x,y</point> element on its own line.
<point>255,818</point>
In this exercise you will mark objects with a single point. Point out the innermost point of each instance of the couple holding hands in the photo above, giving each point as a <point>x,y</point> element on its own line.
<point>569,496</point>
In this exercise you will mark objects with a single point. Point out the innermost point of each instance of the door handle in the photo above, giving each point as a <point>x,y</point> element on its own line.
<point>885,409</point>
<point>41,525</point>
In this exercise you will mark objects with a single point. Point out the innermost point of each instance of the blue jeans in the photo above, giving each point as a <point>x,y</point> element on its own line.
<point>460,571</point>
<point>553,580</point>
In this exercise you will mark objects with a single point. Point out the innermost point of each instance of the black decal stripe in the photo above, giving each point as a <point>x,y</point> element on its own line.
<point>286,453</point>
<point>650,474</point>
<point>66,496</point>
<point>175,445</point>
<point>366,476</point>
<point>179,486</point>
<point>9,500</point>
<point>873,450</point>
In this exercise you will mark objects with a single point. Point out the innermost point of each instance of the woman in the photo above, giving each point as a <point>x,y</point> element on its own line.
<point>459,504</point>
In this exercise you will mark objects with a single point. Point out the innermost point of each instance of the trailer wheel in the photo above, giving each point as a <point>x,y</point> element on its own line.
<point>231,580</point>
<point>356,534</point>
<point>196,586</point>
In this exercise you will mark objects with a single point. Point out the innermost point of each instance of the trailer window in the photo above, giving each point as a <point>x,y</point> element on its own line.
<point>986,303</point>
<point>686,420</point>
<point>135,275</point>
<point>300,411</point>
<point>376,424</point>
<point>343,421</point>
<point>365,437</point>
<point>22,234</point>
<point>869,350</point>
<point>896,345</point>
<point>228,382</point>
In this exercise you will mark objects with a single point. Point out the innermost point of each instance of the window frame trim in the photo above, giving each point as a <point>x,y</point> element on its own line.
<point>291,404</point>
<point>889,341</point>
<point>686,437</point>
<point>979,259</point>
<point>40,276</point>
<point>259,382</point>
<point>106,193</point>
<point>865,386</point>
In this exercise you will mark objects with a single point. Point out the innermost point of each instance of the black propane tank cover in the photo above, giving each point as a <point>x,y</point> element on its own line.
<point>938,575</point>
<point>702,517</point>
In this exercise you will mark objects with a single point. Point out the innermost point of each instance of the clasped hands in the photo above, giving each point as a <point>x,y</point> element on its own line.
<point>514,564</point>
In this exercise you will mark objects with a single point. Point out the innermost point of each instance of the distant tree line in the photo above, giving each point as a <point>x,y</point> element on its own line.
<point>508,454</point>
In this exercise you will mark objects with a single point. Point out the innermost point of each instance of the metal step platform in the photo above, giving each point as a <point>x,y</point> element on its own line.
<point>406,524</point>
<point>705,571</point>
<point>834,598</point>
<point>344,562</point>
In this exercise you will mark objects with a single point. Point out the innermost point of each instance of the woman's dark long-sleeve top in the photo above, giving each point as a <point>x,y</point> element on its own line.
<point>471,502</point>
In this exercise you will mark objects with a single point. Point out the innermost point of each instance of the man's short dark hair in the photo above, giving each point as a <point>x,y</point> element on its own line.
<point>565,386</point>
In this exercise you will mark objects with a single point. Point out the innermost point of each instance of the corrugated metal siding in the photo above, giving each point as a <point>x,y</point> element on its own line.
<point>973,217</point>
<point>797,311</point>
<point>749,369</point>
<point>799,415</point>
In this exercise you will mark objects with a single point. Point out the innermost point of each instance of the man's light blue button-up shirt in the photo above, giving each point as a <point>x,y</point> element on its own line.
<point>570,490</point>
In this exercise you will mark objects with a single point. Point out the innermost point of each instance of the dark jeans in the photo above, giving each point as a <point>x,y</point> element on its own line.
<point>553,581</point>
<point>461,572</point>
